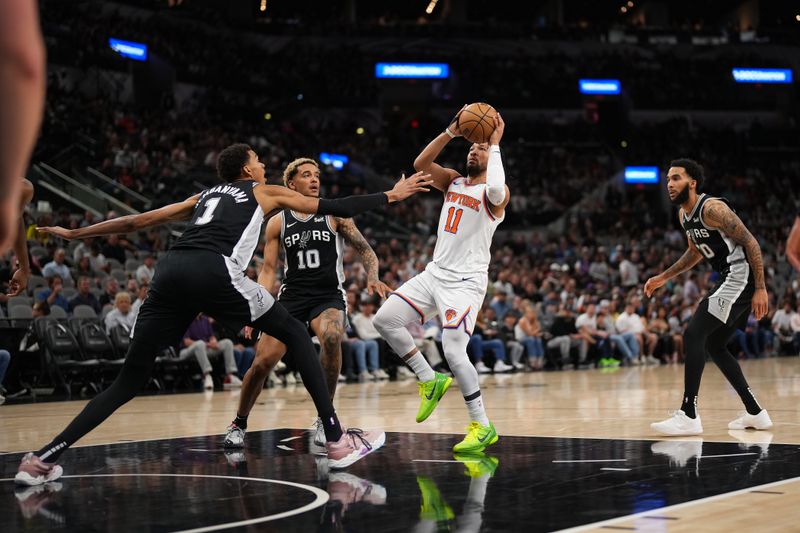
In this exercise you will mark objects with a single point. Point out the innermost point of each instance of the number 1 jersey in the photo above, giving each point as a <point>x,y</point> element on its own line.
<point>466,228</point>
<point>227,220</point>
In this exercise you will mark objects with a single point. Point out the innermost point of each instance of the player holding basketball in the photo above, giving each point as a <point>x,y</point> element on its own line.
<point>454,283</point>
<point>204,272</point>
<point>312,289</point>
<point>715,233</point>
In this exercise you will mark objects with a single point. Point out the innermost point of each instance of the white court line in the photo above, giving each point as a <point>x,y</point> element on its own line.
<point>321,497</point>
<point>442,461</point>
<point>591,461</point>
<point>617,469</point>
<point>726,455</point>
<point>660,511</point>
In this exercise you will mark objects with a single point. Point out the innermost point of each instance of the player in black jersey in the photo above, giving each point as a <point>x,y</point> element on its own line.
<point>204,272</point>
<point>312,289</point>
<point>715,233</point>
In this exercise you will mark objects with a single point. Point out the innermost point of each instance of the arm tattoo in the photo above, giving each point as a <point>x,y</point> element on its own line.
<point>355,239</point>
<point>689,259</point>
<point>720,216</point>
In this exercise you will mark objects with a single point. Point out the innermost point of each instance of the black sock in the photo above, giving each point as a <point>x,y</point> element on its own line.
<point>51,452</point>
<point>749,401</point>
<point>333,429</point>
<point>689,405</point>
<point>240,421</point>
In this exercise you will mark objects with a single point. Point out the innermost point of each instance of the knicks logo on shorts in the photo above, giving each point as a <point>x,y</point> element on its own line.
<point>449,315</point>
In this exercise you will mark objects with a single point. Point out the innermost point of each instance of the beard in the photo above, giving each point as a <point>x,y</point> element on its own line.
<point>682,197</point>
<point>473,170</point>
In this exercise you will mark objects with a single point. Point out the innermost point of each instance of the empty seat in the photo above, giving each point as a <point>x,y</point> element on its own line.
<point>20,300</point>
<point>83,311</point>
<point>57,312</point>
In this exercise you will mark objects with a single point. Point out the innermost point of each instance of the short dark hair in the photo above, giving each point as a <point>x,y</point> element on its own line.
<point>693,169</point>
<point>231,160</point>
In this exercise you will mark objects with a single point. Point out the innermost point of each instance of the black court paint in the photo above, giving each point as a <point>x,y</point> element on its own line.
<point>414,480</point>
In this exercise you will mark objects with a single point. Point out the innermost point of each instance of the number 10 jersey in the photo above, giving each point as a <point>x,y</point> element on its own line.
<point>313,263</point>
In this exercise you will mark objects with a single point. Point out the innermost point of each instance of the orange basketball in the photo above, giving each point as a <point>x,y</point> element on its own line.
<point>476,122</point>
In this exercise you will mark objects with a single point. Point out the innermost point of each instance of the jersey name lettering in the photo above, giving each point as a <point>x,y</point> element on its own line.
<point>238,195</point>
<point>463,199</point>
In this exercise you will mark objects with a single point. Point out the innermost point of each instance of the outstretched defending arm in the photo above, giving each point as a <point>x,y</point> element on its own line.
<point>272,197</point>
<point>130,223</point>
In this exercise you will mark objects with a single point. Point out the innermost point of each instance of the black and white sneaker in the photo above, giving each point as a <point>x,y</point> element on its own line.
<point>234,438</point>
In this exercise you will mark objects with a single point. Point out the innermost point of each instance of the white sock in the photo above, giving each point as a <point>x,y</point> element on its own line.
<point>420,366</point>
<point>477,412</point>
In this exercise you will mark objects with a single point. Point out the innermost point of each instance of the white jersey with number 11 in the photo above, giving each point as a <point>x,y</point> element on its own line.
<point>466,228</point>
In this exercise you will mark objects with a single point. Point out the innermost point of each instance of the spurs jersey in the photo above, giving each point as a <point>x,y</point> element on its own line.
<point>227,220</point>
<point>313,264</point>
<point>466,228</point>
<point>719,249</point>
<point>730,301</point>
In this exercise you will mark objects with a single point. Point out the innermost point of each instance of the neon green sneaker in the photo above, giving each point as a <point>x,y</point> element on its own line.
<point>478,464</point>
<point>433,505</point>
<point>431,392</point>
<point>477,439</point>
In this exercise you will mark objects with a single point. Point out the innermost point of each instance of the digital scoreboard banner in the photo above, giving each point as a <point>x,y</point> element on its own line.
<point>135,51</point>
<point>600,86</point>
<point>641,174</point>
<point>762,75</point>
<point>412,70</point>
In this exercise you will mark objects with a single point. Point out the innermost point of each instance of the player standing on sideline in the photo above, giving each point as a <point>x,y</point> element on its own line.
<point>454,283</point>
<point>715,233</point>
<point>22,87</point>
<point>204,272</point>
<point>311,292</point>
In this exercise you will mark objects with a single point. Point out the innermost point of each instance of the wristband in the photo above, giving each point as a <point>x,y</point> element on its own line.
<point>448,132</point>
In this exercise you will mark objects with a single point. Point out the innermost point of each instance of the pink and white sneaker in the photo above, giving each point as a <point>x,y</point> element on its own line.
<point>354,444</point>
<point>34,471</point>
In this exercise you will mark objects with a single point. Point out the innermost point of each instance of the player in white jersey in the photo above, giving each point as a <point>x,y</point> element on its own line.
<point>454,283</point>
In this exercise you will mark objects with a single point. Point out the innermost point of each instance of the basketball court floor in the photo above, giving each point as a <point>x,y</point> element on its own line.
<point>575,453</point>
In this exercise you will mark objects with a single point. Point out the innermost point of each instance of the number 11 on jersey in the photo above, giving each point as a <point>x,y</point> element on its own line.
<point>453,218</point>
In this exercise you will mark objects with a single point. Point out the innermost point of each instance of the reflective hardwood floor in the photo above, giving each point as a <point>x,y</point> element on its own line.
<point>575,452</point>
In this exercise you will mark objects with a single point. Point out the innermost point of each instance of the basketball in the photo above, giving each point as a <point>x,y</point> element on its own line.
<point>476,122</point>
